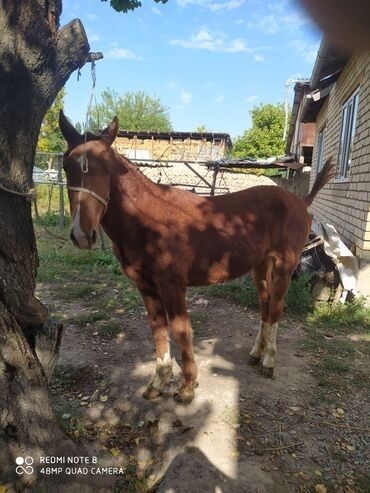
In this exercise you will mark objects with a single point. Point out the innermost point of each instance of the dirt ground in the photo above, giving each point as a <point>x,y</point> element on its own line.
<point>242,433</point>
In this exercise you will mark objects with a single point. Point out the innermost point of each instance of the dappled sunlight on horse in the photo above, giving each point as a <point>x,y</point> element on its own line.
<point>167,239</point>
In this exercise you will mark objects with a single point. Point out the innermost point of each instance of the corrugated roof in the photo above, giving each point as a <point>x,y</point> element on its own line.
<point>207,136</point>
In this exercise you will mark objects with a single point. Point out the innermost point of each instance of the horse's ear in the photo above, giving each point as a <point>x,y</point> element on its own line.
<point>69,132</point>
<point>110,133</point>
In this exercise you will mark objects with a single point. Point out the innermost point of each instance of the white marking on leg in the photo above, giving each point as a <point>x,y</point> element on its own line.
<point>270,348</point>
<point>78,234</point>
<point>259,344</point>
<point>163,372</point>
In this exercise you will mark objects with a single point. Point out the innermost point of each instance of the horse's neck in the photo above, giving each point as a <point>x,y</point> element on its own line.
<point>132,184</point>
<point>127,191</point>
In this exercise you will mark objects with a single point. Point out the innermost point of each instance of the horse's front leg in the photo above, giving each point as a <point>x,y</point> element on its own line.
<point>174,298</point>
<point>158,323</point>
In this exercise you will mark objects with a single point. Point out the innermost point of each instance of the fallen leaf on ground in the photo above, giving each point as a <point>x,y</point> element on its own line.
<point>338,413</point>
<point>303,475</point>
<point>320,488</point>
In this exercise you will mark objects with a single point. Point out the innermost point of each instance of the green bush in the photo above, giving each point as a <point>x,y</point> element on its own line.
<point>342,316</point>
<point>298,298</point>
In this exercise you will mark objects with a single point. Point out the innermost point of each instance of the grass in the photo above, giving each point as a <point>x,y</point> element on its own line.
<point>342,317</point>
<point>47,197</point>
<point>93,276</point>
<point>334,364</point>
<point>62,379</point>
<point>77,291</point>
<point>87,318</point>
<point>61,261</point>
<point>337,336</point>
<point>198,322</point>
<point>69,416</point>
<point>133,481</point>
<point>110,329</point>
<point>243,291</point>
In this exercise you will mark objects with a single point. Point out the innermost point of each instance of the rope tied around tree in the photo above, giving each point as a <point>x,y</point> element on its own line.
<point>29,195</point>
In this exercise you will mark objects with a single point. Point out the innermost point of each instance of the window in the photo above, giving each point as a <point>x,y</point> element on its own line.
<point>320,151</point>
<point>347,133</point>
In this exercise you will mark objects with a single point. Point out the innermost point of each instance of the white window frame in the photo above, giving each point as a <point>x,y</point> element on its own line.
<point>320,150</point>
<point>347,134</point>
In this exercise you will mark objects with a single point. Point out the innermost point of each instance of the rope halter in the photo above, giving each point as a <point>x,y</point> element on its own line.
<point>84,163</point>
<point>91,192</point>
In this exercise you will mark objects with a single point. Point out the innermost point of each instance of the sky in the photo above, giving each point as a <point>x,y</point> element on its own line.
<point>209,62</point>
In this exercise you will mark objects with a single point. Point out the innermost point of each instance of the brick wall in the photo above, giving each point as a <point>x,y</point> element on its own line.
<point>346,204</point>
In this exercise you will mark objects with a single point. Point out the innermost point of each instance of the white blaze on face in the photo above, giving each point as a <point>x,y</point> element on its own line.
<point>163,372</point>
<point>78,234</point>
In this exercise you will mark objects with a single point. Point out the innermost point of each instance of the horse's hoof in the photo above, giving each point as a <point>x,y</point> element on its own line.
<point>253,360</point>
<point>267,372</point>
<point>151,393</point>
<point>184,396</point>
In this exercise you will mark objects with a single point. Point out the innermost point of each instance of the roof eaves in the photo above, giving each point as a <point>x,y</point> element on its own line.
<point>299,92</point>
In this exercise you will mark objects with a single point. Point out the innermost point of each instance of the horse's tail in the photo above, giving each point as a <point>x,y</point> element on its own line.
<point>323,177</point>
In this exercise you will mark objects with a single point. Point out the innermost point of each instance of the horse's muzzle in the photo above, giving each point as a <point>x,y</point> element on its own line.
<point>83,240</point>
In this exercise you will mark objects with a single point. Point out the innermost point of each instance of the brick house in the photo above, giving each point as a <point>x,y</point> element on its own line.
<point>335,105</point>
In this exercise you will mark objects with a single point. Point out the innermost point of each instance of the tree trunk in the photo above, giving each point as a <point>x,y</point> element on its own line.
<point>36,59</point>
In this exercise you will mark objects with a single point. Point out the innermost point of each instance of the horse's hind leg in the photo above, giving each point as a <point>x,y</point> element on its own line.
<point>262,279</point>
<point>159,325</point>
<point>272,279</point>
<point>175,303</point>
<point>281,276</point>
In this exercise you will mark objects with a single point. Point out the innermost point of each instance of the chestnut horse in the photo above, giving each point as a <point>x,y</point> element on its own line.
<point>167,239</point>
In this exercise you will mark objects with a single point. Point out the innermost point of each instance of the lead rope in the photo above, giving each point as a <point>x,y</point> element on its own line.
<point>85,162</point>
<point>29,195</point>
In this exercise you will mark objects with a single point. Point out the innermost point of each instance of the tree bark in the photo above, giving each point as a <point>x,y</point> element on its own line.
<point>36,59</point>
<point>27,421</point>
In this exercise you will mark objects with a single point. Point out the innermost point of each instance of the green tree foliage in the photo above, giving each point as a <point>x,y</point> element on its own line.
<point>126,5</point>
<point>50,138</point>
<point>265,138</point>
<point>201,129</point>
<point>135,111</point>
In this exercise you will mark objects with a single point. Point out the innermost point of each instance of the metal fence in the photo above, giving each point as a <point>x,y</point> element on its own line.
<point>48,171</point>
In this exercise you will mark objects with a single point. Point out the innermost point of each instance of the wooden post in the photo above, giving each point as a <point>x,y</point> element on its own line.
<point>216,169</point>
<point>61,194</point>
<point>102,242</point>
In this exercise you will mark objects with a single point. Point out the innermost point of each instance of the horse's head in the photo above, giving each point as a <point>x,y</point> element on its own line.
<point>88,166</point>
